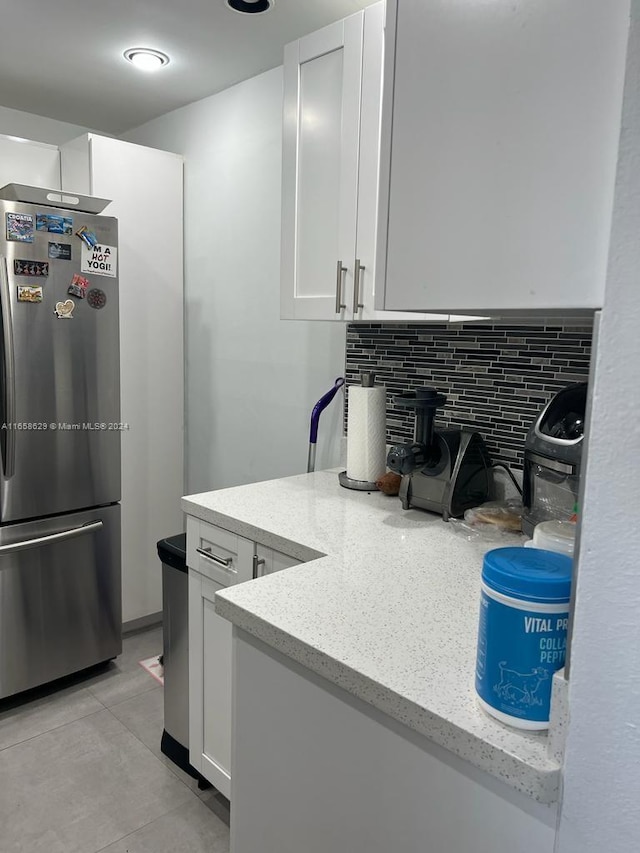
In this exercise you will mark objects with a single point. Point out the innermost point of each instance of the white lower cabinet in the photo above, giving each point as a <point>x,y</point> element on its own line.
<point>216,559</point>
<point>209,684</point>
<point>317,769</point>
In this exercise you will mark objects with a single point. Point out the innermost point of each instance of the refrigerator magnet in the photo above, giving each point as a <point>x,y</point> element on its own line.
<point>20,227</point>
<point>60,251</point>
<point>64,310</point>
<point>96,298</point>
<point>99,260</point>
<point>35,268</point>
<point>88,237</point>
<point>78,286</point>
<point>28,293</point>
<point>54,223</point>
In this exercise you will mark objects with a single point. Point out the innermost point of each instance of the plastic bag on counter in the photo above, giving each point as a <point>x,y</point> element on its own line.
<point>492,521</point>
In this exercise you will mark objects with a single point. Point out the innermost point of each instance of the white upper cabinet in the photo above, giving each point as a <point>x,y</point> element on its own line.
<point>500,132</point>
<point>33,163</point>
<point>331,145</point>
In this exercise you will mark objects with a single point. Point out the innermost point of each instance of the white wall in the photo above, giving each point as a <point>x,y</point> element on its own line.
<point>600,808</point>
<point>252,379</point>
<point>38,128</point>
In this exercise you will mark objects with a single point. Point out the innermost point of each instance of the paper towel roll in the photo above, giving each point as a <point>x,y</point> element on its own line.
<point>366,433</point>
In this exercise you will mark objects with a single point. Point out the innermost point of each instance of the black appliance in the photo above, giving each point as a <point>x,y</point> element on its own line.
<point>444,471</point>
<point>552,458</point>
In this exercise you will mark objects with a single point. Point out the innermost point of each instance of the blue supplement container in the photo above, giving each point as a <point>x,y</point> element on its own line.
<point>522,638</point>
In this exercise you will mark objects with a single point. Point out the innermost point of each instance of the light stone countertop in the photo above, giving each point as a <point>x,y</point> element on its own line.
<point>389,614</point>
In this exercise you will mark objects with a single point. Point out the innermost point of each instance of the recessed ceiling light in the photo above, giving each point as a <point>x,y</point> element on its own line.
<point>250,7</point>
<point>146,59</point>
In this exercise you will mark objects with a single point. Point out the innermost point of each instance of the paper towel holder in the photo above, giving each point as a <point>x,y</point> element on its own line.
<point>367,380</point>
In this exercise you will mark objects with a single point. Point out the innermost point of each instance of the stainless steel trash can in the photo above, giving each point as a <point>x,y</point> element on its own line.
<point>175,629</point>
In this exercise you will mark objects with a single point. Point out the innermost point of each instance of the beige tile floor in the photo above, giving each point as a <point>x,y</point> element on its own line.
<point>81,769</point>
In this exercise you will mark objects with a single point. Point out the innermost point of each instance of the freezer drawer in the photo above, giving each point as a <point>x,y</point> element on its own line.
<point>60,597</point>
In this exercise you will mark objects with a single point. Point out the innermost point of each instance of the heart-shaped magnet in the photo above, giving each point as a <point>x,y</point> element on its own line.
<point>64,310</point>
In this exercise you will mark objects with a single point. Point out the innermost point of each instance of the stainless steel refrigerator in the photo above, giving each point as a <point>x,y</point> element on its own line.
<point>60,433</point>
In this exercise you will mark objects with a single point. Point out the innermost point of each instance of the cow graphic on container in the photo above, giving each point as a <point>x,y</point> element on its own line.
<point>521,687</point>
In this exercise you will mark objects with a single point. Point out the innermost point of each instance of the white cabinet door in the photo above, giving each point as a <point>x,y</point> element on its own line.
<point>216,559</point>
<point>209,684</point>
<point>499,148</point>
<point>331,151</point>
<point>362,307</point>
<point>321,118</point>
<point>364,263</point>
<point>146,187</point>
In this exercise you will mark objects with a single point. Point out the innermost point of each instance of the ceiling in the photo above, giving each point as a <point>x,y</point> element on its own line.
<point>64,59</point>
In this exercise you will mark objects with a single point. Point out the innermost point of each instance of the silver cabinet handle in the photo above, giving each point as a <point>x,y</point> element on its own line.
<point>225,562</point>
<point>257,562</point>
<point>340,271</point>
<point>9,372</point>
<point>71,533</point>
<point>357,269</point>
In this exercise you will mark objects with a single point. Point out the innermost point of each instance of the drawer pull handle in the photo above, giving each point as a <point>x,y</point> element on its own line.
<point>225,562</point>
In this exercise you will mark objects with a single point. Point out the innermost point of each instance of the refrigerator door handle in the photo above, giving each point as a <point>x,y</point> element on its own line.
<point>9,373</point>
<point>90,527</point>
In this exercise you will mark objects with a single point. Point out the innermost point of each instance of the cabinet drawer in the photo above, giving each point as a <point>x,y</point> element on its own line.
<point>217,554</point>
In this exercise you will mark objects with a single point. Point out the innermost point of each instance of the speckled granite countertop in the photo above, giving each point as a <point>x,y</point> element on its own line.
<point>387,609</point>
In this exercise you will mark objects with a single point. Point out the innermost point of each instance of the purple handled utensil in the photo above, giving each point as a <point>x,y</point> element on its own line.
<point>319,407</point>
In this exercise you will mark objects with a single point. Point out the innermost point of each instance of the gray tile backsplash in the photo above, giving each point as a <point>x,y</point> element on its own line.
<point>496,377</point>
